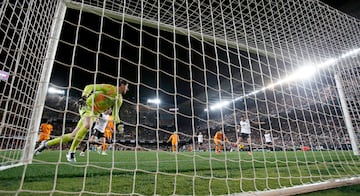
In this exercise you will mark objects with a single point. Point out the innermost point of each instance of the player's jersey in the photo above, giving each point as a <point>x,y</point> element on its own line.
<point>174,138</point>
<point>46,128</point>
<point>219,135</point>
<point>245,126</point>
<point>102,122</point>
<point>267,137</point>
<point>101,97</point>
<point>200,138</point>
<point>108,130</point>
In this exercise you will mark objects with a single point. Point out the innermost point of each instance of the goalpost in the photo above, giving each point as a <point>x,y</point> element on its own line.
<point>27,41</point>
<point>192,66</point>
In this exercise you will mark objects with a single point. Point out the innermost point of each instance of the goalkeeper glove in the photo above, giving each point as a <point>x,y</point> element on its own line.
<point>82,101</point>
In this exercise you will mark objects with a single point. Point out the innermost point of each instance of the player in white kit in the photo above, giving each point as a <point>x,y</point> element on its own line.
<point>200,140</point>
<point>268,140</point>
<point>244,131</point>
<point>98,130</point>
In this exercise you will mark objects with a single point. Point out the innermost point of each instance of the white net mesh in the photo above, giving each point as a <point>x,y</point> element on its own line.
<point>25,27</point>
<point>192,66</point>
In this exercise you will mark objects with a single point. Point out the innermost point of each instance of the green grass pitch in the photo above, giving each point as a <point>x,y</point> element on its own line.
<point>183,173</point>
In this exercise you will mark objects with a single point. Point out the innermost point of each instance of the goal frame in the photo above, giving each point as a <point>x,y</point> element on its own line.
<point>53,41</point>
<point>38,107</point>
<point>347,118</point>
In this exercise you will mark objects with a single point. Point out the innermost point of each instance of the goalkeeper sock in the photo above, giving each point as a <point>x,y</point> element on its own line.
<point>65,139</point>
<point>78,138</point>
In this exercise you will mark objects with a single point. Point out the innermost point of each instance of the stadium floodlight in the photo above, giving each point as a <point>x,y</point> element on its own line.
<point>327,63</point>
<point>350,53</point>
<point>154,101</point>
<point>273,85</point>
<point>239,98</point>
<point>53,90</point>
<point>4,75</point>
<point>302,73</point>
<point>219,105</point>
<point>255,92</point>
<point>173,109</point>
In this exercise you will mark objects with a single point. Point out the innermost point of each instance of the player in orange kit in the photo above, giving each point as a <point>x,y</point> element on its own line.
<point>45,132</point>
<point>174,138</point>
<point>109,130</point>
<point>219,139</point>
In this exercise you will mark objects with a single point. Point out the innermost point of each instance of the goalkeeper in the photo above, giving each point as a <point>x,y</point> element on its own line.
<point>95,99</point>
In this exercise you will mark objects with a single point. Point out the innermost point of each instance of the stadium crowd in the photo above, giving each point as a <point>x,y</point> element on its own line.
<point>291,120</point>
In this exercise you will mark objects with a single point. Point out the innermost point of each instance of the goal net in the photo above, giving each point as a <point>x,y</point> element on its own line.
<point>288,70</point>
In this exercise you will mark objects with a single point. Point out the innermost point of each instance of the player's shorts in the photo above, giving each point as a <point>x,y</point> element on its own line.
<point>268,143</point>
<point>108,135</point>
<point>244,136</point>
<point>43,137</point>
<point>218,142</point>
<point>86,111</point>
<point>97,133</point>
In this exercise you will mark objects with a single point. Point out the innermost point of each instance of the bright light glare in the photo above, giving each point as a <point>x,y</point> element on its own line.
<point>173,109</point>
<point>302,73</point>
<point>52,90</point>
<point>219,105</point>
<point>253,93</point>
<point>351,53</point>
<point>4,75</point>
<point>327,63</point>
<point>238,98</point>
<point>154,101</point>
